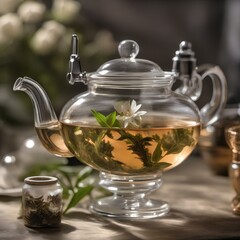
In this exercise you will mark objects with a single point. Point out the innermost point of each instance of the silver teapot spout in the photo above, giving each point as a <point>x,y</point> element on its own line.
<point>44,113</point>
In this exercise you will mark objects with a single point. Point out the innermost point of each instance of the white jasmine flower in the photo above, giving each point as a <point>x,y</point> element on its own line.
<point>43,42</point>
<point>54,27</point>
<point>10,28</point>
<point>46,39</point>
<point>31,12</point>
<point>65,10</point>
<point>128,113</point>
<point>7,6</point>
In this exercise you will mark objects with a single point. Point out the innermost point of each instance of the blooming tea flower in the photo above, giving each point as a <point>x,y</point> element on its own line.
<point>65,10</point>
<point>128,113</point>
<point>10,28</point>
<point>47,38</point>
<point>7,6</point>
<point>31,12</point>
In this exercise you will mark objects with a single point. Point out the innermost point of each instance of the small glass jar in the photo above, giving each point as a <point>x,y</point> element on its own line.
<point>41,201</point>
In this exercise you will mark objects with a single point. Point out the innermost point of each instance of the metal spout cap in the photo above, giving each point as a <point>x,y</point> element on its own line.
<point>184,62</point>
<point>75,73</point>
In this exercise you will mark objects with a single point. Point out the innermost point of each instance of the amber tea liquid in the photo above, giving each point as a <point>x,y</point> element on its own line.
<point>131,151</point>
<point>52,140</point>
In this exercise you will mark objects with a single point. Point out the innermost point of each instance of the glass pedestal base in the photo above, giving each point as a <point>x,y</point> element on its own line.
<point>129,199</point>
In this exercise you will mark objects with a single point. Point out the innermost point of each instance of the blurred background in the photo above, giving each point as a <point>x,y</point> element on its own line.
<point>35,40</point>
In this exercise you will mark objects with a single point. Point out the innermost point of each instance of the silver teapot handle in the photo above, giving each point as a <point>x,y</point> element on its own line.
<point>210,112</point>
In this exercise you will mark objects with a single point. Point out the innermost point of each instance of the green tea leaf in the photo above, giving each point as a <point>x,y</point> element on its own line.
<point>174,142</point>
<point>186,136</point>
<point>83,174</point>
<point>101,119</point>
<point>138,145</point>
<point>111,118</point>
<point>106,121</point>
<point>67,179</point>
<point>76,197</point>
<point>170,143</point>
<point>163,165</point>
<point>157,154</point>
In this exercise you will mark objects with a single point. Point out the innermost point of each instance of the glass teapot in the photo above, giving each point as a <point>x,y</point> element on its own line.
<point>130,125</point>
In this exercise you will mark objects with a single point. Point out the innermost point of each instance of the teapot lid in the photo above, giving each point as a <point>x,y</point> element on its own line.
<point>130,67</point>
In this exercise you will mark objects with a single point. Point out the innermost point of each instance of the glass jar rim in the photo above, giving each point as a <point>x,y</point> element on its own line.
<point>40,180</point>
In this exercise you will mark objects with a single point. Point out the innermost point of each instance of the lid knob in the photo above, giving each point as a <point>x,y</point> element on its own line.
<point>128,49</point>
<point>185,46</point>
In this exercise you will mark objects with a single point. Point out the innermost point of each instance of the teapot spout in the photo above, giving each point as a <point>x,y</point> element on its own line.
<point>44,113</point>
<point>46,123</point>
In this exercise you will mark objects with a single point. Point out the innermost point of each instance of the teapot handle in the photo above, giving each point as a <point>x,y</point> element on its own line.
<point>211,111</point>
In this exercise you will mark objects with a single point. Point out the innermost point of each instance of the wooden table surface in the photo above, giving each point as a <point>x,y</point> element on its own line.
<point>200,209</point>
